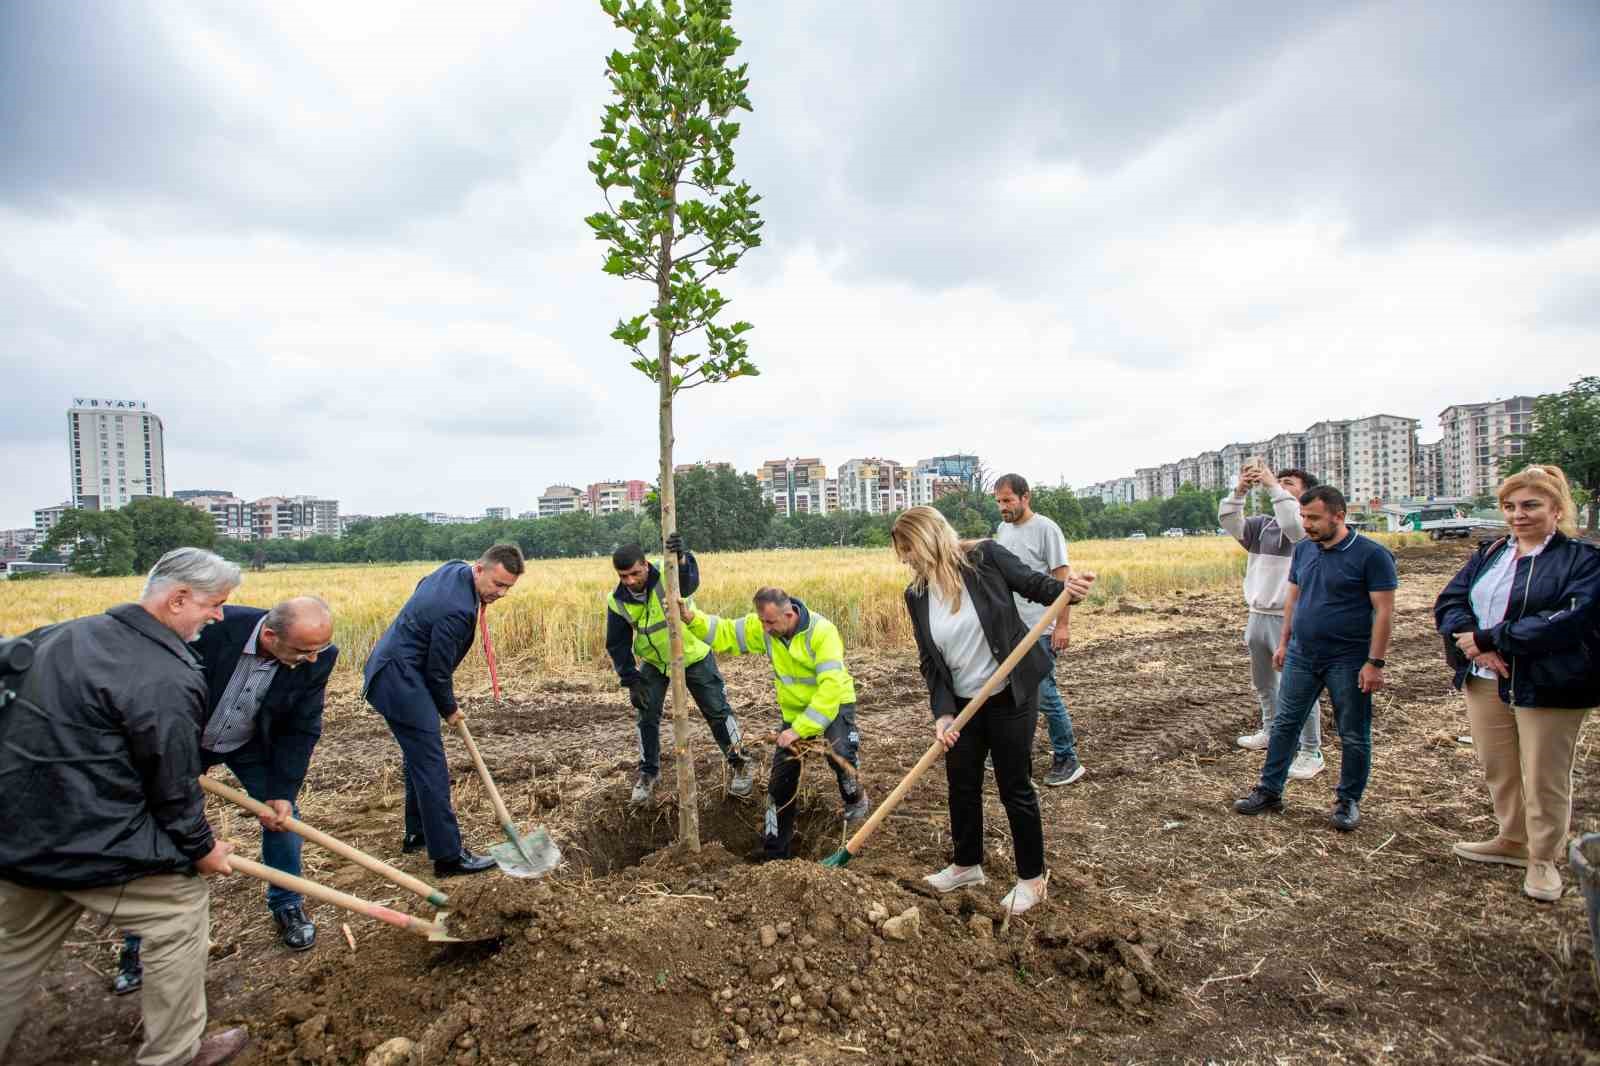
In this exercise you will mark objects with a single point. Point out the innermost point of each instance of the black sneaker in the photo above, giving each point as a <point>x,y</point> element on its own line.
<point>1064,770</point>
<point>1345,815</point>
<point>1258,801</point>
<point>412,842</point>
<point>294,928</point>
<point>130,971</point>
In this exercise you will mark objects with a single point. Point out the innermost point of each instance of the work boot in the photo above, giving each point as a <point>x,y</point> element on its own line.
<point>294,928</point>
<point>643,789</point>
<point>1505,852</point>
<point>739,784</point>
<point>1345,815</point>
<point>1064,770</point>
<point>465,863</point>
<point>412,842</point>
<point>856,810</point>
<point>220,1047</point>
<point>130,971</point>
<point>1543,881</point>
<point>1258,801</point>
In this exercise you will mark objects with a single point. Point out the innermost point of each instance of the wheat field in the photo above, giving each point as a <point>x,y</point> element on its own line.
<point>554,620</point>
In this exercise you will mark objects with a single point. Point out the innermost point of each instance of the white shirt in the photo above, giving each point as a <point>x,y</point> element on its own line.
<point>1040,544</point>
<point>1491,593</point>
<point>959,638</point>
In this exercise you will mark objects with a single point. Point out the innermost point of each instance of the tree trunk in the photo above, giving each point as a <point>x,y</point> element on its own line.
<point>688,798</point>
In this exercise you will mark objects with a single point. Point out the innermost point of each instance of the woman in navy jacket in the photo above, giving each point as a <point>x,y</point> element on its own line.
<point>1520,625</point>
<point>966,623</point>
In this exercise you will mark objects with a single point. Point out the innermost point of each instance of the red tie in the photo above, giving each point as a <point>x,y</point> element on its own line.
<point>488,649</point>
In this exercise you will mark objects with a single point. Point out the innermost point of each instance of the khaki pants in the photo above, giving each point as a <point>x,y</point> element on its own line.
<point>172,912</point>
<point>1527,756</point>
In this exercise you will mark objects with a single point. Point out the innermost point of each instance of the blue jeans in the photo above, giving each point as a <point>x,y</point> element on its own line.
<point>1063,744</point>
<point>279,850</point>
<point>1304,678</point>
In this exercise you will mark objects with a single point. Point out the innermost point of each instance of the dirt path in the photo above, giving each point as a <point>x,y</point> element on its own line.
<point>1176,931</point>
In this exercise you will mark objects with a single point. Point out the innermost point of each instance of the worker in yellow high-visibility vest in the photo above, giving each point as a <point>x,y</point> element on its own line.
<point>816,697</point>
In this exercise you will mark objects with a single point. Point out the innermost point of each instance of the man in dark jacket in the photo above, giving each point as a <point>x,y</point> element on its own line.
<point>410,681</point>
<point>264,715</point>
<point>99,756</point>
<point>637,641</point>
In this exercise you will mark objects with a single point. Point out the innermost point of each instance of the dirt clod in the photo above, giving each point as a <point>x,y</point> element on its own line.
<point>395,1051</point>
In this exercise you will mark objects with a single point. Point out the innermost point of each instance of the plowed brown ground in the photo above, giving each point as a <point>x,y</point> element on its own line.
<point>1175,932</point>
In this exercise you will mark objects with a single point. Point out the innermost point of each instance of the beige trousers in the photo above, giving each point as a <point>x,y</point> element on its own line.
<point>172,912</point>
<point>1527,755</point>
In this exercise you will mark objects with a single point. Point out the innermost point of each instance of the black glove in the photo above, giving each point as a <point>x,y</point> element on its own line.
<point>637,691</point>
<point>675,544</point>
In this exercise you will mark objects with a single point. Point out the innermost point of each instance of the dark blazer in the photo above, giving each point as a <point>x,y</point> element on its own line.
<point>289,720</point>
<point>99,754</point>
<point>995,575</point>
<point>428,639</point>
<point>1550,636</point>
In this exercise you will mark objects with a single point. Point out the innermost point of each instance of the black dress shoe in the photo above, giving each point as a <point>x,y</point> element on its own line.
<point>130,971</point>
<point>1258,801</point>
<point>294,928</point>
<point>465,863</point>
<point>1345,815</point>
<point>412,842</point>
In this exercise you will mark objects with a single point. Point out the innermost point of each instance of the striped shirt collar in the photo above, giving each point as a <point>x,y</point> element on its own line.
<point>255,635</point>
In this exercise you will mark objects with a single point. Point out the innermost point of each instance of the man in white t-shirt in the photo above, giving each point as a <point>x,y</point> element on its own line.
<point>1038,541</point>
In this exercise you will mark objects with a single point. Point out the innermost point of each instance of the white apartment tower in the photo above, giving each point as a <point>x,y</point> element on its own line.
<point>1477,436</point>
<point>115,453</point>
<point>1382,452</point>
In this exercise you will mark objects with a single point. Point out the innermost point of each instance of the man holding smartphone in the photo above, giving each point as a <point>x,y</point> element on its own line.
<point>1270,541</point>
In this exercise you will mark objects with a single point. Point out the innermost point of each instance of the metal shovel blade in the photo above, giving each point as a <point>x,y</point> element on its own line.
<point>533,855</point>
<point>437,933</point>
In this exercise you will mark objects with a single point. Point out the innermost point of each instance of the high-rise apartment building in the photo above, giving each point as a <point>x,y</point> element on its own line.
<point>616,497</point>
<point>561,499</point>
<point>1477,439</point>
<point>1381,452</point>
<point>294,518</point>
<point>1146,483</point>
<point>961,467</point>
<point>1427,477</point>
<point>1286,450</point>
<point>872,486</point>
<point>1208,475</point>
<point>115,453</point>
<point>46,518</point>
<point>1167,480</point>
<point>794,486</point>
<point>499,514</point>
<point>1328,452</point>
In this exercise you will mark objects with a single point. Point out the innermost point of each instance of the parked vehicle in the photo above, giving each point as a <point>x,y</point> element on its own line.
<point>1438,521</point>
<point>1173,532</point>
<point>1137,535</point>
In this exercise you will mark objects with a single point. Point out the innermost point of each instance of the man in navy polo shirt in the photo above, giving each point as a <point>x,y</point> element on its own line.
<point>1336,627</point>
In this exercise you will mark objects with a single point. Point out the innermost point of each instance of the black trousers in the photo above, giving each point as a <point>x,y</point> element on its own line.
<point>1005,731</point>
<point>706,688</point>
<point>783,783</point>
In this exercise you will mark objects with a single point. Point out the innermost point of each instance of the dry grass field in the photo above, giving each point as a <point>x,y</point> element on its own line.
<point>553,622</point>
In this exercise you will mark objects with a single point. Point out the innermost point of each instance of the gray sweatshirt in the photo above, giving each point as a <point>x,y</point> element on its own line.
<point>1270,543</point>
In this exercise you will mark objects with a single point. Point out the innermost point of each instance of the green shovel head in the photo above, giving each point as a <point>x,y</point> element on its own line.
<point>839,858</point>
<point>533,855</point>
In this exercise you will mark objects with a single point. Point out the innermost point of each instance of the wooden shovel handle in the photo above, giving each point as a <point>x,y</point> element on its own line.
<point>500,811</point>
<point>338,847</point>
<point>936,749</point>
<point>354,904</point>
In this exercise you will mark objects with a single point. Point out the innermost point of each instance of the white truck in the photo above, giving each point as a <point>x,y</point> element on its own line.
<point>1439,521</point>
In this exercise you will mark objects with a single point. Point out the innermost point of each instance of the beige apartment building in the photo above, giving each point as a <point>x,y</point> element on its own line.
<point>796,486</point>
<point>1477,438</point>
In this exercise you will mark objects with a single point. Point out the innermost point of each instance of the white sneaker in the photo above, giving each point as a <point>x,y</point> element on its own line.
<point>953,877</point>
<point>1306,765</point>
<point>1256,741</point>
<point>1024,897</point>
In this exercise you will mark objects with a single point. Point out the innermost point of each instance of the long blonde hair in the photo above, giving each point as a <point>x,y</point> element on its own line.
<point>927,542</point>
<point>1549,481</point>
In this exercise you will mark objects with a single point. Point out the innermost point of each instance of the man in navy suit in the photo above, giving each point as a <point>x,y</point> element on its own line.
<point>266,674</point>
<point>409,680</point>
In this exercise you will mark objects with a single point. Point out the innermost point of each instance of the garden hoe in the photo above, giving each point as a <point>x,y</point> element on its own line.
<point>855,844</point>
<point>434,930</point>
<point>338,847</point>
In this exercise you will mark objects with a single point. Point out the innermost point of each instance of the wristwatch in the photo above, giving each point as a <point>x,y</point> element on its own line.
<point>1379,663</point>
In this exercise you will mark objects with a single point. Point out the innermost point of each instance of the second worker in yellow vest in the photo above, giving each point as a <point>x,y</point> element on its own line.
<point>637,640</point>
<point>816,697</point>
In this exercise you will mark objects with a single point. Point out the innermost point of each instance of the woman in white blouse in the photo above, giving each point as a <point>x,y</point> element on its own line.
<point>1522,628</point>
<point>966,623</point>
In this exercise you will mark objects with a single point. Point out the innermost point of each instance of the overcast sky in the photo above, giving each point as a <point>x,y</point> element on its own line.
<point>339,248</point>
